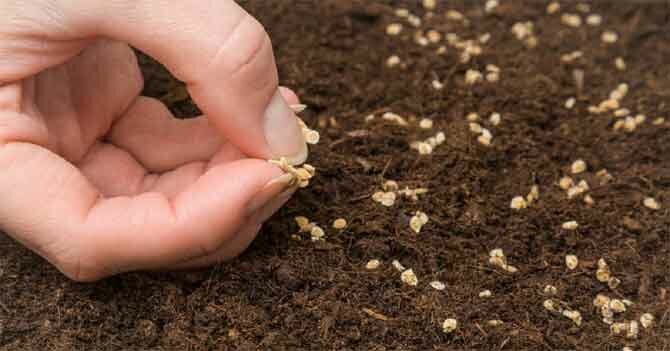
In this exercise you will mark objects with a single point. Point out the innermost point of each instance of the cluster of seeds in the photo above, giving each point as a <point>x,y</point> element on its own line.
<point>556,307</point>
<point>604,275</point>
<point>524,31</point>
<point>426,147</point>
<point>519,202</point>
<point>391,190</point>
<point>301,175</point>
<point>497,258</point>
<point>612,103</point>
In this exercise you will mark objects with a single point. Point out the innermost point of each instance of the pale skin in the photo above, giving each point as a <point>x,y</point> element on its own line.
<point>99,180</point>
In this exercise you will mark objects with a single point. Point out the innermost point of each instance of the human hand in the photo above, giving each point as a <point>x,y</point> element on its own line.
<point>99,180</point>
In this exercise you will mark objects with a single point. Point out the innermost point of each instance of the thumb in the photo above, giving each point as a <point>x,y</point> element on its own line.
<point>222,53</point>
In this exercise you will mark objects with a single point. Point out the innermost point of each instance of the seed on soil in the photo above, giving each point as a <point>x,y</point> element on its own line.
<point>434,36</point>
<point>613,282</point>
<point>601,300</point>
<point>475,128</point>
<point>594,20</point>
<point>603,272</point>
<point>485,293</point>
<point>303,223</point>
<point>578,166</point>
<point>340,223</point>
<point>524,31</point>
<point>437,85</point>
<point>429,4</point>
<point>392,61</point>
<point>620,64</point>
<point>589,200</point>
<point>394,29</point>
<point>473,76</point>
<point>402,13</point>
<point>651,203</point>
<point>571,20</point>
<point>574,316</point>
<point>622,112</point>
<point>449,325</point>
<point>570,103</point>
<point>518,202</point>
<point>565,183</point>
<point>497,258</point>
<point>317,233</point>
<point>609,37</point>
<point>484,38</point>
<point>658,121</point>
<point>646,320</point>
<point>583,7</point>
<point>553,7</point>
<point>495,118</point>
<point>455,15</point>
<point>485,138</point>
<point>551,305</point>
<point>571,57</point>
<point>571,261</point>
<point>550,290</point>
<point>418,221</point>
<point>385,198</point>
<point>617,306</point>
<point>426,123</point>
<point>570,225</point>
<point>437,285</point>
<point>630,328</point>
<point>490,6</point>
<point>372,264</point>
<point>398,266</point>
<point>408,277</point>
<point>472,117</point>
<point>414,20</point>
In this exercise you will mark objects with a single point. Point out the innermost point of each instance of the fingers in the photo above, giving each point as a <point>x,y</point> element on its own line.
<point>223,54</point>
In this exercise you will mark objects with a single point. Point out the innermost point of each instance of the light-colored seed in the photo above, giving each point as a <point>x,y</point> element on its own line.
<point>408,277</point>
<point>583,7</point>
<point>414,20</point>
<point>589,200</point>
<point>312,137</point>
<point>303,223</point>
<point>437,285</point>
<point>572,56</point>
<point>565,183</point>
<point>518,202</point>
<point>426,123</point>
<point>449,325</point>
<point>658,121</point>
<point>497,253</point>
<point>609,37</point>
<point>402,13</point>
<point>571,20</point>
<point>473,76</point>
<point>485,293</point>
<point>429,4</point>
<point>553,7</point>
<point>550,290</point>
<point>575,316</point>
<point>620,64</point>
<point>434,36</point>
<point>390,185</point>
<point>578,166</point>
<point>601,300</point>
<point>640,118</point>
<point>571,261</point>
<point>495,118</point>
<point>317,233</point>
<point>570,103</point>
<point>495,322</point>
<point>472,117</point>
<point>646,320</point>
<point>372,264</point>
<point>398,266</point>
<point>594,20</point>
<point>633,330</point>
<point>484,38</point>
<point>651,203</point>
<point>297,108</point>
<point>455,15</point>
<point>392,61</point>
<point>629,124</point>
<point>394,117</point>
<point>627,348</point>
<point>440,138</point>
<point>617,306</point>
<point>492,77</point>
<point>490,6</point>
<point>570,225</point>
<point>418,221</point>
<point>437,85</point>
<point>622,112</point>
<point>475,128</point>
<point>340,223</point>
<point>551,305</point>
<point>613,282</point>
<point>394,29</point>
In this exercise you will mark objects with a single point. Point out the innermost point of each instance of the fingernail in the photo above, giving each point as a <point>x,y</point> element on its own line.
<point>282,131</point>
<point>270,191</point>
<point>265,212</point>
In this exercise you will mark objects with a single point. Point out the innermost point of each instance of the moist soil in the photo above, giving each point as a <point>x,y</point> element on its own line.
<point>287,294</point>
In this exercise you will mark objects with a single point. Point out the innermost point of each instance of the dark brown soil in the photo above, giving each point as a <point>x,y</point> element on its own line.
<point>299,295</point>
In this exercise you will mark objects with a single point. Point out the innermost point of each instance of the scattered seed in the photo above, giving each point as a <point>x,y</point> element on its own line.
<point>408,277</point>
<point>594,20</point>
<point>392,61</point>
<point>589,200</point>
<point>485,138</point>
<point>398,266</point>
<point>449,325</point>
<point>303,223</point>
<point>394,117</point>
<point>570,225</point>
<point>578,166</point>
<point>437,285</point>
<point>485,293</point>
<point>565,183</point>
<point>429,4</point>
<point>609,37</point>
<point>402,13</point>
<point>490,6</point>
<point>372,264</point>
<point>437,85</point>
<point>434,36</point>
<point>571,261</point>
<point>570,103</point>
<point>658,121</point>
<point>613,282</point>
<point>317,233</point>
<point>414,20</point>
<point>484,38</point>
<point>551,305</point>
<point>472,117</point>
<point>495,118</point>
<point>583,7</point>
<point>394,29</point>
<point>575,316</point>
<point>603,272</point>
<point>617,306</point>
<point>418,221</point>
<point>524,31</point>
<point>647,320</point>
<point>473,76</point>
<point>553,7</point>
<point>572,56</point>
<point>550,290</point>
<point>518,202</point>
<point>455,15</point>
<point>620,64</point>
<point>651,203</point>
<point>571,20</point>
<point>475,128</point>
<point>340,223</point>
